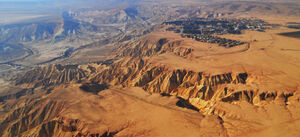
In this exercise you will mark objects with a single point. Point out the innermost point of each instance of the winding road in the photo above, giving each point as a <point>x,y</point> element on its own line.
<point>11,62</point>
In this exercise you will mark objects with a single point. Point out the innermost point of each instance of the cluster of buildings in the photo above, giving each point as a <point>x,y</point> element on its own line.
<point>214,39</point>
<point>202,29</point>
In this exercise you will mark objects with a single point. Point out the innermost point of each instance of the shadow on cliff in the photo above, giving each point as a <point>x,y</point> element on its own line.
<point>185,104</point>
<point>94,87</point>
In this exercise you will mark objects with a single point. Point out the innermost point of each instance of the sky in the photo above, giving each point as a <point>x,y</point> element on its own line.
<point>21,0</point>
<point>51,5</point>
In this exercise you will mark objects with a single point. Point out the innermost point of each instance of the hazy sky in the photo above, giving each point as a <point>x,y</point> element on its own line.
<point>21,0</point>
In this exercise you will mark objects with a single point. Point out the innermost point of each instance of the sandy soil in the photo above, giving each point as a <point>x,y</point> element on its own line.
<point>134,112</point>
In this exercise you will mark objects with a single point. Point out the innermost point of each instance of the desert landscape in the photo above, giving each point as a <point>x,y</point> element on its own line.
<point>151,68</point>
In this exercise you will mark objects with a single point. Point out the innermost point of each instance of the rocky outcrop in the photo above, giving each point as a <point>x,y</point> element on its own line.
<point>62,127</point>
<point>200,89</point>
<point>29,116</point>
<point>147,48</point>
<point>51,75</point>
<point>41,118</point>
<point>159,79</point>
<point>254,97</point>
